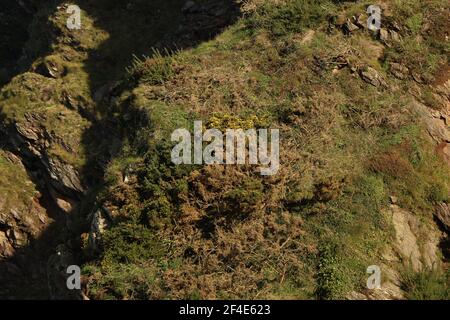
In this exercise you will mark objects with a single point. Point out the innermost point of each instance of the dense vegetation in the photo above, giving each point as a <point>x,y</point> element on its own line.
<point>309,231</point>
<point>347,147</point>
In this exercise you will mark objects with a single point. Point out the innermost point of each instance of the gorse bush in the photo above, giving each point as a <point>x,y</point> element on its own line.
<point>131,243</point>
<point>246,196</point>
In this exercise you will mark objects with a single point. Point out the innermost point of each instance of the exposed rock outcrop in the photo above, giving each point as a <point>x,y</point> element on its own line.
<point>370,75</point>
<point>442,213</point>
<point>32,140</point>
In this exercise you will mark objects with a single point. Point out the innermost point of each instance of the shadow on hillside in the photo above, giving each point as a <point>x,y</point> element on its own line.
<point>13,35</point>
<point>134,27</point>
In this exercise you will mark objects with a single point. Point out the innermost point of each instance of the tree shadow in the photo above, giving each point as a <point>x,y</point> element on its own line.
<point>135,27</point>
<point>13,35</point>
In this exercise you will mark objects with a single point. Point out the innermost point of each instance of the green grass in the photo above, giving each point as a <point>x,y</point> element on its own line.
<point>155,70</point>
<point>226,232</point>
<point>412,170</point>
<point>332,281</point>
<point>327,207</point>
<point>17,191</point>
<point>414,23</point>
<point>429,284</point>
<point>293,17</point>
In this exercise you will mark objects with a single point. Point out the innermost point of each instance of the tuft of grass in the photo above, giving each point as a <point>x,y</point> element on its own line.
<point>414,23</point>
<point>154,70</point>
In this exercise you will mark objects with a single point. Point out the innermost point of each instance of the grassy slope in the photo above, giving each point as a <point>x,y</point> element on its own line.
<point>309,231</point>
<point>226,232</point>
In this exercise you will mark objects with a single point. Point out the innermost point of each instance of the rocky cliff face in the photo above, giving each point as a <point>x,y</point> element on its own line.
<point>70,116</point>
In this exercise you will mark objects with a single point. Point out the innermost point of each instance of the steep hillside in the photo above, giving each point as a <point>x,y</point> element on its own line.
<point>86,118</point>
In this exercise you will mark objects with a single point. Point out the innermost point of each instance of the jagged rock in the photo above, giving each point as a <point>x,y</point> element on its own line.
<point>64,177</point>
<point>14,214</point>
<point>384,35</point>
<point>30,223</point>
<point>444,91</point>
<point>6,249</point>
<point>442,213</point>
<point>395,26</point>
<point>443,150</point>
<point>324,62</point>
<point>51,69</point>
<point>7,221</point>
<point>350,27</point>
<point>406,240</point>
<point>28,131</point>
<point>388,36</point>
<point>66,206</point>
<point>390,280</point>
<point>417,77</point>
<point>64,203</point>
<point>430,251</point>
<point>436,127</point>
<point>42,218</point>
<point>16,237</point>
<point>394,35</point>
<point>408,230</point>
<point>361,21</point>
<point>370,75</point>
<point>11,157</point>
<point>399,70</point>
